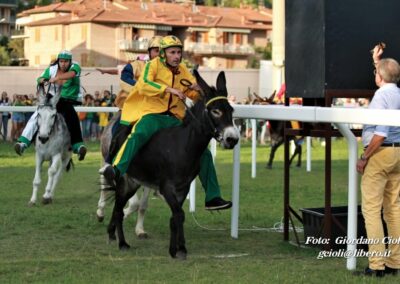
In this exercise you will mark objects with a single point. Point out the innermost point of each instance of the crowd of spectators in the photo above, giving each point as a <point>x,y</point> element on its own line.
<point>92,123</point>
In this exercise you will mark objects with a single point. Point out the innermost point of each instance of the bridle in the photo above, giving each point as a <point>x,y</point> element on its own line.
<point>47,103</point>
<point>215,133</point>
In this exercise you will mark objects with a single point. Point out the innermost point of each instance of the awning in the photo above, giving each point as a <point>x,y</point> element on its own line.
<point>198,29</point>
<point>229,30</point>
<point>148,27</point>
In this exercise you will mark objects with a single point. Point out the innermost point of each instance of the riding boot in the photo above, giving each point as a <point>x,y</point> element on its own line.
<point>121,133</point>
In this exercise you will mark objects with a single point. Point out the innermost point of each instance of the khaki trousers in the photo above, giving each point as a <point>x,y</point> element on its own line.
<point>380,188</point>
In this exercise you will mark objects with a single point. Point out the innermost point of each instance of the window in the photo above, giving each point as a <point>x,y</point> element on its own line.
<point>84,59</point>
<point>201,37</point>
<point>84,32</point>
<point>56,33</point>
<point>232,38</point>
<point>37,34</point>
<point>37,60</point>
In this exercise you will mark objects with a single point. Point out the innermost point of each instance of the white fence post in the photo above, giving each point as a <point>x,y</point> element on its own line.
<point>253,148</point>
<point>235,192</point>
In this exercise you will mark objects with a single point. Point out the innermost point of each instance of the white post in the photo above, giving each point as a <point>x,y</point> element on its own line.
<point>213,148</point>
<point>253,148</point>
<point>235,192</point>
<point>308,139</point>
<point>192,196</point>
<point>352,195</point>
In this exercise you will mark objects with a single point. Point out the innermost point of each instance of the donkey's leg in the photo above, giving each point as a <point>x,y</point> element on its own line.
<point>105,193</point>
<point>37,179</point>
<point>123,193</point>
<point>53,174</point>
<point>274,147</point>
<point>133,205</point>
<point>177,248</point>
<point>139,229</point>
<point>300,150</point>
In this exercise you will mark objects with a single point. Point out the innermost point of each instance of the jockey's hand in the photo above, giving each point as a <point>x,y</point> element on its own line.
<point>53,80</point>
<point>176,92</point>
<point>194,87</point>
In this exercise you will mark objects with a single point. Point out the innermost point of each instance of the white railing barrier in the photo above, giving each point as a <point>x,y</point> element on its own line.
<point>340,117</point>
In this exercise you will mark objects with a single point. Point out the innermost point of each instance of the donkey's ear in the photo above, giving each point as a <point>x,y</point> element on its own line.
<point>202,84</point>
<point>221,84</point>
<point>40,93</point>
<point>55,94</point>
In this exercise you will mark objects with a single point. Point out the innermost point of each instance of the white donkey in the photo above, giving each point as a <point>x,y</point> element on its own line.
<point>52,143</point>
<point>136,203</point>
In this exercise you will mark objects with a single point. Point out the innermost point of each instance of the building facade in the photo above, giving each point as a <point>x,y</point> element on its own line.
<point>108,33</point>
<point>7,17</point>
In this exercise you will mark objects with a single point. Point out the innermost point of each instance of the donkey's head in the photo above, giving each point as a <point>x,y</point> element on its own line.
<point>219,111</point>
<point>47,112</point>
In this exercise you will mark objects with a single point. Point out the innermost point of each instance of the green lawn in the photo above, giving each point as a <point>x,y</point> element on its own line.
<point>63,242</point>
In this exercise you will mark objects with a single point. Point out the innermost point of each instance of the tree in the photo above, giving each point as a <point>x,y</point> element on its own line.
<point>4,57</point>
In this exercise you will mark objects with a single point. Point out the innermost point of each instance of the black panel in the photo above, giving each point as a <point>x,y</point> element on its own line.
<point>328,43</point>
<point>304,50</point>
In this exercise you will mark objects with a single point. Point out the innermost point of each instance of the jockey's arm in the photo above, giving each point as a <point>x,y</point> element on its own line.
<point>63,76</point>
<point>147,84</point>
<point>44,76</point>
<point>127,75</point>
<point>108,71</point>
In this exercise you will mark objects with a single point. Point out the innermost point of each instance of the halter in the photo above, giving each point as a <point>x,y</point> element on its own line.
<point>215,135</point>
<point>47,103</point>
<point>210,120</point>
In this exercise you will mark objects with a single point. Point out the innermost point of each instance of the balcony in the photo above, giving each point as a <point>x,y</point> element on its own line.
<point>224,49</point>
<point>18,34</point>
<point>9,3</point>
<point>133,45</point>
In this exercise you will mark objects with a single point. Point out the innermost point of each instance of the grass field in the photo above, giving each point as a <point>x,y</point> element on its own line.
<point>63,242</point>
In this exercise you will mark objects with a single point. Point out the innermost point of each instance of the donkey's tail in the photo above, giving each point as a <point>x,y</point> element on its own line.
<point>70,165</point>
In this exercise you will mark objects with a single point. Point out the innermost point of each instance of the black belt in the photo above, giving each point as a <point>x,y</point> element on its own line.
<point>396,144</point>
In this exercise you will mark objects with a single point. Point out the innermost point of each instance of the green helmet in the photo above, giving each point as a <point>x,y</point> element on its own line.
<point>65,54</point>
<point>167,42</point>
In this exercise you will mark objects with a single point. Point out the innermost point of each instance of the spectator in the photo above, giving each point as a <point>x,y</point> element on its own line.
<point>17,118</point>
<point>87,122</point>
<point>4,116</point>
<point>380,169</point>
<point>95,128</point>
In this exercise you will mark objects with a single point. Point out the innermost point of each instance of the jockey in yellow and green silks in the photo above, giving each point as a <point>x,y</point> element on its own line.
<point>156,103</point>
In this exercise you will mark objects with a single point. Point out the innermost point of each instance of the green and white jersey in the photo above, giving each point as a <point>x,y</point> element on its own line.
<point>71,89</point>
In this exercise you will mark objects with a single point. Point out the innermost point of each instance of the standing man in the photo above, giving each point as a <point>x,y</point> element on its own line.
<point>379,165</point>
<point>63,72</point>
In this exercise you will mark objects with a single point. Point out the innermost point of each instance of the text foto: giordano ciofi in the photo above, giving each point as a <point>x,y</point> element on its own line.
<point>347,241</point>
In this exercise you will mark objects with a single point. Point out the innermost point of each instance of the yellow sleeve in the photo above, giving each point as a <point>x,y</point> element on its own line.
<point>147,85</point>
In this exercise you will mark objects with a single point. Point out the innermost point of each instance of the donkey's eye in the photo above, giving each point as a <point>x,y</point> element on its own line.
<point>216,113</point>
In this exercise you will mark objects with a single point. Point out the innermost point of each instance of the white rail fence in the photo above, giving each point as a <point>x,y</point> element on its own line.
<point>340,117</point>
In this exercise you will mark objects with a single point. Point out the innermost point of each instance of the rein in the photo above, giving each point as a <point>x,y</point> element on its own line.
<point>187,83</point>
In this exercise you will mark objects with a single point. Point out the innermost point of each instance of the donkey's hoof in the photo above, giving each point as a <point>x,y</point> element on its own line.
<point>47,200</point>
<point>111,240</point>
<point>181,255</point>
<point>142,236</point>
<point>31,203</point>
<point>124,247</point>
<point>100,219</point>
